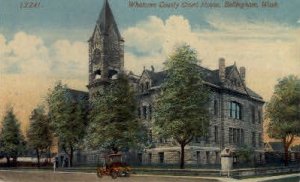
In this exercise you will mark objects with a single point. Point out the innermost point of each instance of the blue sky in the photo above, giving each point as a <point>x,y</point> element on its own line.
<point>77,17</point>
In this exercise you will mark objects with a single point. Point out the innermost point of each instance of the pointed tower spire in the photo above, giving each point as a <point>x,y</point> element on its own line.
<point>106,20</point>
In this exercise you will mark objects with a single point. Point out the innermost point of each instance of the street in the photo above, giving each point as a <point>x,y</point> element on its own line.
<point>46,176</point>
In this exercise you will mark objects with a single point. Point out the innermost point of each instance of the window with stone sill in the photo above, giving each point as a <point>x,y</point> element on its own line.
<point>236,136</point>
<point>235,110</point>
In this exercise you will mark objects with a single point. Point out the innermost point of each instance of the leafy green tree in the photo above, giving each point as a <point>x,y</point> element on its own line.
<point>283,110</point>
<point>39,134</point>
<point>68,118</point>
<point>11,138</point>
<point>113,123</point>
<point>181,108</point>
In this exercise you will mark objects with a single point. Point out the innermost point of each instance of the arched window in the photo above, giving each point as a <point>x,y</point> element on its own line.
<point>235,110</point>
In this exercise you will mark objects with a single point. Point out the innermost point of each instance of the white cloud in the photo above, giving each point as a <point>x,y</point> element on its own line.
<point>28,55</point>
<point>266,49</point>
<point>70,59</point>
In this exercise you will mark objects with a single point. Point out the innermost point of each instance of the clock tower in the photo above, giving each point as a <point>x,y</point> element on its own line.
<point>106,51</point>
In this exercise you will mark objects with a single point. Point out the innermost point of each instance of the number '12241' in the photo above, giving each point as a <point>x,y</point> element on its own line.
<point>30,4</point>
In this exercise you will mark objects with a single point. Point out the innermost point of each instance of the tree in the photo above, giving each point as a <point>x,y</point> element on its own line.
<point>181,108</point>
<point>283,110</point>
<point>68,118</point>
<point>12,140</point>
<point>39,134</point>
<point>113,123</point>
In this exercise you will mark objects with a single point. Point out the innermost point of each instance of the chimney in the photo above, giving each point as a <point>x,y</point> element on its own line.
<point>152,68</point>
<point>222,69</point>
<point>243,73</point>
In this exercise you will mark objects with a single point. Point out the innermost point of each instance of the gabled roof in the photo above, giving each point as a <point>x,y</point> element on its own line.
<point>209,76</point>
<point>106,20</point>
<point>156,77</point>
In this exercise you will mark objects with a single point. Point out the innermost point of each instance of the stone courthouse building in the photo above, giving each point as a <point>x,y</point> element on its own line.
<point>236,110</point>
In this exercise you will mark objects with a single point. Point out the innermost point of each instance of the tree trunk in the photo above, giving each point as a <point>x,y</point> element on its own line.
<point>182,156</point>
<point>8,161</point>
<point>71,157</point>
<point>38,158</point>
<point>286,152</point>
<point>15,161</point>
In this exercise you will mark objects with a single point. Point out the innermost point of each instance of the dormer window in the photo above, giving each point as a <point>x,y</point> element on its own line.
<point>235,110</point>
<point>142,88</point>
<point>147,86</point>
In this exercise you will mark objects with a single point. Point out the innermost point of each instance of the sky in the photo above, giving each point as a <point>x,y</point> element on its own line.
<point>39,46</point>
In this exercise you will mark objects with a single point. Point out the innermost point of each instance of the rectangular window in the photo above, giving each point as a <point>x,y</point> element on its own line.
<point>259,117</point>
<point>216,134</point>
<point>230,135</point>
<point>149,158</point>
<point>161,157</point>
<point>235,110</point>
<point>253,114</point>
<point>232,110</point>
<point>253,139</point>
<point>150,136</point>
<point>234,136</point>
<point>144,112</point>
<point>139,112</point>
<point>238,134</point>
<point>216,107</point>
<point>150,112</point>
<point>217,158</point>
<point>260,143</point>
<point>207,157</point>
<point>198,157</point>
<point>198,139</point>
<point>242,137</point>
<point>238,112</point>
<point>206,137</point>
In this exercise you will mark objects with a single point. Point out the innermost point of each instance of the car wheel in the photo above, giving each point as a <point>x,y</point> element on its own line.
<point>99,174</point>
<point>114,175</point>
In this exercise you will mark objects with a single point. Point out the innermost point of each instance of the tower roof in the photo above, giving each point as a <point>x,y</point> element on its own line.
<point>106,20</point>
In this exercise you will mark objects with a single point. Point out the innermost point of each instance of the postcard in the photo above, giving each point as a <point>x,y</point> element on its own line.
<point>243,49</point>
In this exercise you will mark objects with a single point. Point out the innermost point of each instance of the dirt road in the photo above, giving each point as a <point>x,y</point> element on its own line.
<point>38,176</point>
